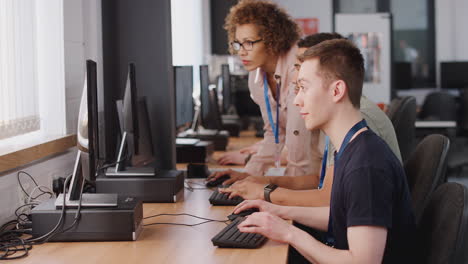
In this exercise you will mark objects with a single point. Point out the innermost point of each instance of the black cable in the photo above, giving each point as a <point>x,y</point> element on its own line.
<point>77,215</point>
<point>196,183</point>
<point>11,242</point>
<point>35,183</point>
<point>106,166</point>
<point>204,222</point>
<point>191,188</point>
<point>199,217</point>
<point>19,181</point>
<point>59,223</point>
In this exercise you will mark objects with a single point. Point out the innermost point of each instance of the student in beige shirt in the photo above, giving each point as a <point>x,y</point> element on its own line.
<point>264,37</point>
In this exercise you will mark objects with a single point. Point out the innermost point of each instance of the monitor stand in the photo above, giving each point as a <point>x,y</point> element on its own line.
<point>120,171</point>
<point>72,198</point>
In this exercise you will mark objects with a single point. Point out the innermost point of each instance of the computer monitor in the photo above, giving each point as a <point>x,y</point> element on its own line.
<point>226,85</point>
<point>136,147</point>
<point>403,78</point>
<point>184,100</point>
<point>87,139</point>
<point>130,111</point>
<point>87,134</point>
<point>204,96</point>
<point>454,74</point>
<point>216,120</point>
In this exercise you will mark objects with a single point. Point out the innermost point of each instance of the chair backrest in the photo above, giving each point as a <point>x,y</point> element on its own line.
<point>402,113</point>
<point>425,170</point>
<point>443,231</point>
<point>439,106</point>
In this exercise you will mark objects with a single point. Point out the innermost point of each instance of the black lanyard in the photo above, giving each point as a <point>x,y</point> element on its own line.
<point>358,126</point>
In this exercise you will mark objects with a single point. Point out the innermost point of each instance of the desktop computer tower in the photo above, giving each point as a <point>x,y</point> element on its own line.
<point>167,186</point>
<point>219,138</point>
<point>194,153</point>
<point>120,223</point>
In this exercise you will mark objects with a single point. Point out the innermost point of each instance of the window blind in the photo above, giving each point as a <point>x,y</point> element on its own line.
<point>19,108</point>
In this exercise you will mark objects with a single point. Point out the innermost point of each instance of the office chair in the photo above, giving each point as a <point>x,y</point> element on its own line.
<point>402,113</point>
<point>439,106</point>
<point>443,231</point>
<point>425,170</point>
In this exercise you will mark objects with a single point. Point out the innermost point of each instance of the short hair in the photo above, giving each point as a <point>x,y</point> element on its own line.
<point>314,39</point>
<point>277,29</point>
<point>339,59</point>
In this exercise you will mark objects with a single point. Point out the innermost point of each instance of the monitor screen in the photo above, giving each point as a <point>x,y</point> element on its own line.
<point>226,77</point>
<point>87,134</point>
<point>454,74</point>
<point>137,148</point>
<point>129,110</point>
<point>184,89</point>
<point>402,75</point>
<point>215,115</point>
<point>204,94</point>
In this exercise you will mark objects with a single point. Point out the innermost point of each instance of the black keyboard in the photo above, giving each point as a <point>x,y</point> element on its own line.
<point>231,237</point>
<point>217,182</point>
<point>218,198</point>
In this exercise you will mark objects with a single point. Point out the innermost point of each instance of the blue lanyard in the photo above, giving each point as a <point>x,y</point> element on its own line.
<point>324,162</point>
<point>358,126</point>
<point>274,127</point>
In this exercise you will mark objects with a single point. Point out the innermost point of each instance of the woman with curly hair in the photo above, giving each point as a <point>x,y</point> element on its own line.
<point>264,37</point>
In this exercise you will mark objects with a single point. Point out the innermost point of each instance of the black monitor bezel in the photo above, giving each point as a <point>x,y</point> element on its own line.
<point>185,91</point>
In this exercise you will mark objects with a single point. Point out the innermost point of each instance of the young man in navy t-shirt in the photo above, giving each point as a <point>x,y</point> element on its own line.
<point>370,218</point>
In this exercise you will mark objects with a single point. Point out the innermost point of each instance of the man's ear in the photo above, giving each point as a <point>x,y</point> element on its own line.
<point>339,90</point>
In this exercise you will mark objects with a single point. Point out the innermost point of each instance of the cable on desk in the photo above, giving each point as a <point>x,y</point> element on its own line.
<point>191,188</point>
<point>207,220</point>
<point>179,224</point>
<point>11,241</point>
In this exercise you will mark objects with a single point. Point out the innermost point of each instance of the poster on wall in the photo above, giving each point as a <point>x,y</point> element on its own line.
<point>372,34</point>
<point>370,44</point>
<point>308,26</point>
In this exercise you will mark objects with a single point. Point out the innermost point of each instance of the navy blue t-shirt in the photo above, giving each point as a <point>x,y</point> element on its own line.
<point>370,189</point>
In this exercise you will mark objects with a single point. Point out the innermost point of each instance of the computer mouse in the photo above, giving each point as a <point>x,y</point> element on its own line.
<point>244,213</point>
<point>218,181</point>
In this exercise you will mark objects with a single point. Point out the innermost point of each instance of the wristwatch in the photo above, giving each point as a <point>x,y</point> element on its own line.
<point>267,190</point>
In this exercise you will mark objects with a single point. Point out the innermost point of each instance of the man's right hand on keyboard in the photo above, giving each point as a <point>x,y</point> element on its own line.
<point>235,176</point>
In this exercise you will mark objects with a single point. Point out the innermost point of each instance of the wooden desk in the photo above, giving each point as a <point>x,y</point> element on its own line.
<point>164,243</point>
<point>168,243</point>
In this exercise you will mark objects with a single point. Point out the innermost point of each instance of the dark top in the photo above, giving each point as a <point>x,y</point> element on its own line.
<point>370,188</point>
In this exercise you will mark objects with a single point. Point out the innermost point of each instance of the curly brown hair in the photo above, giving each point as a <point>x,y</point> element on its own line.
<point>277,29</point>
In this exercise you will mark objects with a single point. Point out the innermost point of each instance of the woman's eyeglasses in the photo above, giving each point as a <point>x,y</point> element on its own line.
<point>247,45</point>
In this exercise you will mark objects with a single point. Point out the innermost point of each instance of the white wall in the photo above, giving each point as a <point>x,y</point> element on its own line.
<point>191,35</point>
<point>83,41</point>
<point>451,31</point>
<point>321,9</point>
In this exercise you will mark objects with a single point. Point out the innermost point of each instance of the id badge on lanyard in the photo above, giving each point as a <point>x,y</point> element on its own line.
<point>274,126</point>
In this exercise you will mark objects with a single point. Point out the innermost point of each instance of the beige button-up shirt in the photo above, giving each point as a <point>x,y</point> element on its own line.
<point>302,155</point>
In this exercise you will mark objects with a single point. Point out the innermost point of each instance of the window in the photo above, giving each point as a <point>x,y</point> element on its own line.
<point>18,95</point>
<point>32,78</point>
